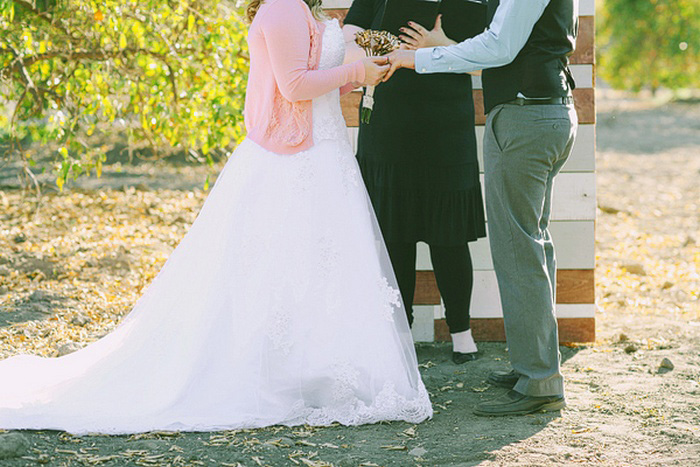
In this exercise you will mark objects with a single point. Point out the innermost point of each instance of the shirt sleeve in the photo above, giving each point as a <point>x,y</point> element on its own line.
<point>361,14</point>
<point>288,43</point>
<point>497,46</point>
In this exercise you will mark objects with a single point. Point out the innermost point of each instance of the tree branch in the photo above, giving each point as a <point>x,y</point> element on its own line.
<point>44,16</point>
<point>70,56</point>
<point>21,68</point>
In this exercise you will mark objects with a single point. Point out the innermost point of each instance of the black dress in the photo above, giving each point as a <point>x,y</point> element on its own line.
<point>418,153</point>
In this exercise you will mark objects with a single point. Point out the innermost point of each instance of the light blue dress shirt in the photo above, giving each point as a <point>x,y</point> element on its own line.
<point>497,46</point>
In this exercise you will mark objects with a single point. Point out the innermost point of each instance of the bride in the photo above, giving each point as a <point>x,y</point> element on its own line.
<point>279,306</point>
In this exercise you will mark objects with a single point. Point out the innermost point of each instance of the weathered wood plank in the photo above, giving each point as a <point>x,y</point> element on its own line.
<point>574,196</point>
<point>423,328</point>
<point>573,286</point>
<point>491,329</point>
<point>576,286</point>
<point>586,7</point>
<point>562,310</point>
<point>584,101</point>
<point>583,75</point>
<point>337,4</point>
<point>338,13</point>
<point>585,42</point>
<point>582,157</point>
<point>350,103</point>
<point>426,292</point>
<point>573,237</point>
<point>573,240</point>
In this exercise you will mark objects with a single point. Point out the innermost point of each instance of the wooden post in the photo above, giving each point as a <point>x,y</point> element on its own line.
<point>573,217</point>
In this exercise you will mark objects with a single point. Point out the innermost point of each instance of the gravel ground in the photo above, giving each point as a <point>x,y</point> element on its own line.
<point>634,395</point>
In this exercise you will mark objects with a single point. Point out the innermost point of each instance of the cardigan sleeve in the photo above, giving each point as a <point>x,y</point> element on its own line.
<point>347,88</point>
<point>288,42</point>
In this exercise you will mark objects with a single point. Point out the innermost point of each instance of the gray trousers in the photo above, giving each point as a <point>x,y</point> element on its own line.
<point>525,147</point>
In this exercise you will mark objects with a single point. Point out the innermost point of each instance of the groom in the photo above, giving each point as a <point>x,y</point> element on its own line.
<point>530,131</point>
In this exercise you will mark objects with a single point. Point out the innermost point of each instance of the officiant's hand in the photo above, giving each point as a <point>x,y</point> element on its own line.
<point>375,70</point>
<point>416,36</point>
<point>400,59</point>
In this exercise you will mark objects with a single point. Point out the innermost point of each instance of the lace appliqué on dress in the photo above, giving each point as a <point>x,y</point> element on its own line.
<point>392,299</point>
<point>346,381</point>
<point>388,405</point>
<point>328,121</point>
<point>279,332</point>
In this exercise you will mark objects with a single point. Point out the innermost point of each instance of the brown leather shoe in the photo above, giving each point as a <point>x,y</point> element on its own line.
<point>504,379</point>
<point>514,403</point>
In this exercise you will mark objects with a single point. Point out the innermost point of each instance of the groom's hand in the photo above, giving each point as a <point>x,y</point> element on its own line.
<point>400,59</point>
<point>375,70</point>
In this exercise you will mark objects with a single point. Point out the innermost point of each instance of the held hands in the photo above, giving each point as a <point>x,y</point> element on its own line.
<point>380,69</point>
<point>416,36</point>
<point>400,59</point>
<point>376,69</point>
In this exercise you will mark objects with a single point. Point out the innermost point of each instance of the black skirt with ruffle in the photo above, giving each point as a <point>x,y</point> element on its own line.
<point>419,160</point>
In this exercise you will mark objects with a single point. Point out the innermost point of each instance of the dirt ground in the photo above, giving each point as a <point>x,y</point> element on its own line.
<point>70,272</point>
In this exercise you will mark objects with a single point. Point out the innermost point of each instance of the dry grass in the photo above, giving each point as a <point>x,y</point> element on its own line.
<point>91,253</point>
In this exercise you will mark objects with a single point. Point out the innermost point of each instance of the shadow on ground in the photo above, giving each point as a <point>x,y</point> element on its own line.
<point>455,436</point>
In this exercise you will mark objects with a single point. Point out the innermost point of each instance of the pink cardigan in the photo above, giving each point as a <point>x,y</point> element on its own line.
<point>285,48</point>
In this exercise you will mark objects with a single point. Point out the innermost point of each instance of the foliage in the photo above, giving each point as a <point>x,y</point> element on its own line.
<point>649,44</point>
<point>165,73</point>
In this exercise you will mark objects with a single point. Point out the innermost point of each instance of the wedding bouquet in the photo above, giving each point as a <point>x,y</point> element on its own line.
<point>374,43</point>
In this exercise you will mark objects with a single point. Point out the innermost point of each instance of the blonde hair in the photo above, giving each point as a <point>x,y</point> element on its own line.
<point>316,7</point>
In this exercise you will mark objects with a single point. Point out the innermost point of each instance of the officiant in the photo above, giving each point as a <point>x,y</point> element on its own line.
<point>418,159</point>
<point>530,132</point>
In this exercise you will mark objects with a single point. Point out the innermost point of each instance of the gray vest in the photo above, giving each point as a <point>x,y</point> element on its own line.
<point>541,69</point>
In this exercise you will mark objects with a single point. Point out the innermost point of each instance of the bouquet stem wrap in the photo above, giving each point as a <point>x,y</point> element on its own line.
<point>375,44</point>
<point>367,104</point>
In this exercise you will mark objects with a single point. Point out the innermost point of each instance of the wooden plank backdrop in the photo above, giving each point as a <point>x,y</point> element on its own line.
<point>573,216</point>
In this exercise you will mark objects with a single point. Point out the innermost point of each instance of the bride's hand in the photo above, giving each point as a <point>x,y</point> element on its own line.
<point>416,36</point>
<point>375,70</point>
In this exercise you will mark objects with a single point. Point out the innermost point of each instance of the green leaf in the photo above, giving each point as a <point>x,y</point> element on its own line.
<point>190,23</point>
<point>90,93</point>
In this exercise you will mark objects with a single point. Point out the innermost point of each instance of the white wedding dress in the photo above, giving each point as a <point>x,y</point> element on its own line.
<point>279,306</point>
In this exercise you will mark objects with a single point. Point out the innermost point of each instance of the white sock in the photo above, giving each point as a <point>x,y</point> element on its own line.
<point>463,342</point>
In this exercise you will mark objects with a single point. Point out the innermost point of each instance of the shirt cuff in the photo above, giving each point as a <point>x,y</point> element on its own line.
<point>423,60</point>
<point>432,60</point>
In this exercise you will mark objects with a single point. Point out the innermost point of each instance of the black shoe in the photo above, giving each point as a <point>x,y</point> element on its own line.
<point>514,403</point>
<point>459,357</point>
<point>504,379</point>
